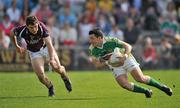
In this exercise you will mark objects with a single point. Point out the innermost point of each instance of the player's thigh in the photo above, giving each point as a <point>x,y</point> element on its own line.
<point>138,75</point>
<point>118,71</point>
<point>122,79</point>
<point>38,65</point>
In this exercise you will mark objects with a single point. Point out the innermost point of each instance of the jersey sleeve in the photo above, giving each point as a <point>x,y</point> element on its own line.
<point>113,39</point>
<point>118,43</point>
<point>17,30</point>
<point>44,30</point>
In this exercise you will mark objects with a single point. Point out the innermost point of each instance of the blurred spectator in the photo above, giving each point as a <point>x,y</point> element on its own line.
<point>151,20</point>
<point>4,40</point>
<point>91,5</point>
<point>42,11</point>
<point>104,23</point>
<point>13,12</point>
<point>169,27</point>
<point>53,31</point>
<point>68,35</point>
<point>67,16</point>
<point>76,6</point>
<point>21,21</point>
<point>146,4</point>
<point>117,32</point>
<point>170,11</point>
<point>88,15</point>
<point>55,5</point>
<point>125,5</point>
<point>149,54</point>
<point>177,3</point>
<point>2,11</point>
<point>162,5</point>
<point>19,3</point>
<point>131,33</point>
<point>26,9</point>
<point>119,15</point>
<point>134,14</point>
<point>6,25</point>
<point>176,51</point>
<point>165,54</point>
<point>84,27</point>
<point>137,4</point>
<point>105,6</point>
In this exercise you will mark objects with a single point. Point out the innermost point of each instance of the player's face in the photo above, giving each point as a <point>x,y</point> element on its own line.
<point>33,28</point>
<point>95,41</point>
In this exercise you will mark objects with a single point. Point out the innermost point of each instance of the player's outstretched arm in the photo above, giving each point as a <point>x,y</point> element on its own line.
<point>128,47</point>
<point>54,60</point>
<point>14,40</point>
<point>97,62</point>
<point>50,47</point>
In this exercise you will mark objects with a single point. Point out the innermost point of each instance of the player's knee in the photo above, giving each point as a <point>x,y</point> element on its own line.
<point>124,85</point>
<point>61,69</point>
<point>141,80</point>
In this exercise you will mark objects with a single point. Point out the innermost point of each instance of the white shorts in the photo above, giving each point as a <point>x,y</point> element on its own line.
<point>129,64</point>
<point>42,53</point>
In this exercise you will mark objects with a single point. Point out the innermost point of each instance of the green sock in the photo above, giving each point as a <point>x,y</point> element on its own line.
<point>153,82</point>
<point>139,89</point>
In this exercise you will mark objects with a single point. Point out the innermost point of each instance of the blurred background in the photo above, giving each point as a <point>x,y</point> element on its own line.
<point>152,27</point>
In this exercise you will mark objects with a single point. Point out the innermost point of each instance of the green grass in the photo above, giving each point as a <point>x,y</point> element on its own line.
<point>90,90</point>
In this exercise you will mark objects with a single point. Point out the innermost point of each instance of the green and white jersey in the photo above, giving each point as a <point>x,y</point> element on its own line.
<point>109,44</point>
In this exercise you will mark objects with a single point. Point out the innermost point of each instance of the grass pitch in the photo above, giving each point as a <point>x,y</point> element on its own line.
<point>92,89</point>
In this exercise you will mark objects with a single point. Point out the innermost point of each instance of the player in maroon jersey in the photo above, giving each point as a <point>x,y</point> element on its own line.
<point>40,49</point>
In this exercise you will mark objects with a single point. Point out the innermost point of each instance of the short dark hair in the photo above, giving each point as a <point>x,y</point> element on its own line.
<point>31,20</point>
<point>97,32</point>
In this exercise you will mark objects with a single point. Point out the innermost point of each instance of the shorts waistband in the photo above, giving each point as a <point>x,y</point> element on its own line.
<point>44,46</point>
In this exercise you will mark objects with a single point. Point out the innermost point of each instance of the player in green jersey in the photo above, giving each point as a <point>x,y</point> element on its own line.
<point>101,50</point>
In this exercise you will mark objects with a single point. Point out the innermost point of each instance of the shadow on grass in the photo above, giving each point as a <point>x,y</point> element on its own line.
<point>21,97</point>
<point>79,98</point>
<point>52,98</point>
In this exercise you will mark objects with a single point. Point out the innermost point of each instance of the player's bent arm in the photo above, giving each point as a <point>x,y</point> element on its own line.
<point>128,47</point>
<point>14,39</point>
<point>97,63</point>
<point>50,47</point>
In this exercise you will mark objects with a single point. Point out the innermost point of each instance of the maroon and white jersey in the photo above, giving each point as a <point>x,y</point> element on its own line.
<point>34,41</point>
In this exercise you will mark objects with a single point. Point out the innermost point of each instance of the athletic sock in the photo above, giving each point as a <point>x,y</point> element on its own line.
<point>64,77</point>
<point>50,85</point>
<point>139,89</point>
<point>153,82</point>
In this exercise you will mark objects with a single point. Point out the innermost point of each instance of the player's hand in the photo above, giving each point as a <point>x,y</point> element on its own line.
<point>54,64</point>
<point>122,60</point>
<point>21,50</point>
<point>101,60</point>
